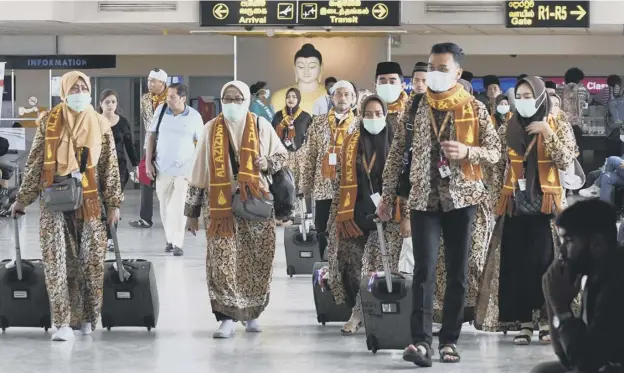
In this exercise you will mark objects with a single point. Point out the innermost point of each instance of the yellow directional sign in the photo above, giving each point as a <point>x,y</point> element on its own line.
<point>580,12</point>
<point>380,11</point>
<point>220,11</point>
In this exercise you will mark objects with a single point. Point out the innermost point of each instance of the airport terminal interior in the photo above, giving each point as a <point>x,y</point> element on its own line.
<point>120,45</point>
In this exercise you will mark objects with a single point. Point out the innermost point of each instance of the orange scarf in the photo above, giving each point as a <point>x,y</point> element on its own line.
<point>460,102</point>
<point>338,132</point>
<point>548,178</point>
<point>91,204</point>
<point>287,125</point>
<point>398,106</point>
<point>345,221</point>
<point>158,100</point>
<point>220,188</point>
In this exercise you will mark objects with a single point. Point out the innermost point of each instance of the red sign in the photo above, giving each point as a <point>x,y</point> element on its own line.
<point>593,84</point>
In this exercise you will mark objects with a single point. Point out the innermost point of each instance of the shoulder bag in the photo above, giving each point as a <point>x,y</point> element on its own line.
<point>254,208</point>
<point>404,186</point>
<point>143,178</point>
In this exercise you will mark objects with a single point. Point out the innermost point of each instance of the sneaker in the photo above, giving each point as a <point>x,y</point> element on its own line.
<point>252,326</point>
<point>169,248</point>
<point>64,334</point>
<point>591,192</point>
<point>177,251</point>
<point>226,330</point>
<point>141,223</point>
<point>86,329</point>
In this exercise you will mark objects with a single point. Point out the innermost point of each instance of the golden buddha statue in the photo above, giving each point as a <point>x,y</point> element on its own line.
<point>308,65</point>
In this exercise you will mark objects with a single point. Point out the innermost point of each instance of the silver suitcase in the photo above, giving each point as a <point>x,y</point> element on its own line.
<point>386,305</point>
<point>301,245</point>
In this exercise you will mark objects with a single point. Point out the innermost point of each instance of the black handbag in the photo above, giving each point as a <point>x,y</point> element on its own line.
<point>282,187</point>
<point>361,215</point>
<point>525,206</point>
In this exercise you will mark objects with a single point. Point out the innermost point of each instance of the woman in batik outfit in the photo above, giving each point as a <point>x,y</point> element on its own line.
<point>555,149</point>
<point>240,253</point>
<point>74,243</point>
<point>355,253</point>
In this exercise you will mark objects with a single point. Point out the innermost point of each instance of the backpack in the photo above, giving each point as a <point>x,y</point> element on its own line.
<point>571,104</point>
<point>615,111</point>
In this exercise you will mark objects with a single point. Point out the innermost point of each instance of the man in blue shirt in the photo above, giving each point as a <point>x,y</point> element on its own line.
<point>174,140</point>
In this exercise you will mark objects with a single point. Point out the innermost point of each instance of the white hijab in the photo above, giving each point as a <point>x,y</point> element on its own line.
<point>236,128</point>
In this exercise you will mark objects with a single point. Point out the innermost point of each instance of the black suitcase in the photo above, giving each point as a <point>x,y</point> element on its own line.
<point>131,295</point>
<point>301,245</point>
<point>326,308</point>
<point>24,298</point>
<point>386,305</point>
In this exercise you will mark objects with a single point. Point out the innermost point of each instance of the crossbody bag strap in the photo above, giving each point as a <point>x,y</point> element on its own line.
<point>160,118</point>
<point>409,128</point>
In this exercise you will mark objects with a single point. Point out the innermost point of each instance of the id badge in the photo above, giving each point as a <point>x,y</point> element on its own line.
<point>522,184</point>
<point>76,175</point>
<point>376,198</point>
<point>333,159</point>
<point>287,143</point>
<point>445,170</point>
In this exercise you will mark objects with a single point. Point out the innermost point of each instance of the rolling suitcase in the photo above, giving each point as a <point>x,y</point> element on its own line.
<point>130,294</point>
<point>301,245</point>
<point>326,308</point>
<point>24,298</point>
<point>386,305</point>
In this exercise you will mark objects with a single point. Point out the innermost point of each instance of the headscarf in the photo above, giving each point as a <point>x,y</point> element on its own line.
<point>518,138</point>
<point>293,110</point>
<point>500,118</point>
<point>379,143</point>
<point>236,128</point>
<point>87,128</point>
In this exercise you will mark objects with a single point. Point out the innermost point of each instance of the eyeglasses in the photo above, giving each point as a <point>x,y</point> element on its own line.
<point>229,100</point>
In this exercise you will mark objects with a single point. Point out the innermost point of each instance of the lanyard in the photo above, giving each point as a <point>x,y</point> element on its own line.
<point>368,167</point>
<point>434,125</point>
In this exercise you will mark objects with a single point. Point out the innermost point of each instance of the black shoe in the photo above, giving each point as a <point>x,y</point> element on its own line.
<point>169,248</point>
<point>177,251</point>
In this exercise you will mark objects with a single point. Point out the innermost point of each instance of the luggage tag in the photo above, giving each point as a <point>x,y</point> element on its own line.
<point>376,199</point>
<point>333,159</point>
<point>522,184</point>
<point>443,167</point>
<point>287,143</point>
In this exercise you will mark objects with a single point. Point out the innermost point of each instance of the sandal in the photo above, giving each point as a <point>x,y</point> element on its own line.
<point>351,328</point>
<point>449,354</point>
<point>544,337</point>
<point>524,337</point>
<point>414,355</point>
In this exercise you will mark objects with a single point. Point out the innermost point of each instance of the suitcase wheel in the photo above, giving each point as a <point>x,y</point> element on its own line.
<point>149,328</point>
<point>371,344</point>
<point>45,329</point>
<point>108,328</point>
<point>3,324</point>
<point>290,271</point>
<point>321,319</point>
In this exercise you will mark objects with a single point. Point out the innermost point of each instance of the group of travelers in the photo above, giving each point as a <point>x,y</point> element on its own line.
<point>476,185</point>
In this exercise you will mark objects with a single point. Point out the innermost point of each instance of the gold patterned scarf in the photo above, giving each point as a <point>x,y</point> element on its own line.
<point>460,102</point>
<point>338,132</point>
<point>398,106</point>
<point>287,124</point>
<point>158,100</point>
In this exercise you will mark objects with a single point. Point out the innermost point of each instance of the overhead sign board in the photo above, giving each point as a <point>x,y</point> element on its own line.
<point>61,62</point>
<point>552,14</point>
<point>300,13</point>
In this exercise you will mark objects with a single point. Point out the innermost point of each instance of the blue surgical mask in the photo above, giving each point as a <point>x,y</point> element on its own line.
<point>374,126</point>
<point>234,112</point>
<point>389,92</point>
<point>78,102</point>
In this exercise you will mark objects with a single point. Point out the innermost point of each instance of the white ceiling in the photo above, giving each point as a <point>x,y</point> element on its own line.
<point>60,28</point>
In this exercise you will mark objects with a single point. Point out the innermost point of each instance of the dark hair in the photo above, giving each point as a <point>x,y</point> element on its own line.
<point>452,48</point>
<point>307,51</point>
<point>521,76</point>
<point>331,79</point>
<point>257,87</point>
<point>181,89</point>
<point>550,84</point>
<point>106,93</point>
<point>613,80</point>
<point>467,76</point>
<point>588,218</point>
<point>17,125</point>
<point>574,75</point>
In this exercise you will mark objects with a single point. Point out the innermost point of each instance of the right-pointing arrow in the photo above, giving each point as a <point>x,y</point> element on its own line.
<point>580,13</point>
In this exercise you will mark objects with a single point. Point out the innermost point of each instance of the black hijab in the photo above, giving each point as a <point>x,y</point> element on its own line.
<point>378,144</point>
<point>518,138</point>
<point>500,118</point>
<point>298,94</point>
<point>301,123</point>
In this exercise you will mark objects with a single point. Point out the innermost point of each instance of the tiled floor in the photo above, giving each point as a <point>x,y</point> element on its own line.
<point>292,340</point>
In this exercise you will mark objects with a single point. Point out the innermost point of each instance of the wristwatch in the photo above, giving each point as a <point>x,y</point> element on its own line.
<point>559,319</point>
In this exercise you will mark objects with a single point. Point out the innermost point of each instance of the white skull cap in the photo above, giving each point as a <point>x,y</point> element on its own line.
<point>158,75</point>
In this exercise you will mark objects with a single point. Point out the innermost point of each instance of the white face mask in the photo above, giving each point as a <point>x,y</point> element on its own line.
<point>389,92</point>
<point>234,112</point>
<point>438,81</point>
<point>527,107</point>
<point>78,102</point>
<point>374,126</point>
<point>502,109</point>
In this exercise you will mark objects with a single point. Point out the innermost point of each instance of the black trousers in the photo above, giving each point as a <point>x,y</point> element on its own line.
<point>147,203</point>
<point>322,210</point>
<point>222,317</point>
<point>456,228</point>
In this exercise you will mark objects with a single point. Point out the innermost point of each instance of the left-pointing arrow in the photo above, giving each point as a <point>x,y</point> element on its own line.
<point>580,13</point>
<point>221,11</point>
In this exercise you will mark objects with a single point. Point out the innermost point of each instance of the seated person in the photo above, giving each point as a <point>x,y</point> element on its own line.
<point>611,176</point>
<point>592,341</point>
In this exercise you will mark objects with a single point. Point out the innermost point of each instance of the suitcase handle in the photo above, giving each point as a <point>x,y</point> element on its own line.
<point>382,248</point>
<point>382,293</point>
<point>120,267</point>
<point>302,209</point>
<point>18,250</point>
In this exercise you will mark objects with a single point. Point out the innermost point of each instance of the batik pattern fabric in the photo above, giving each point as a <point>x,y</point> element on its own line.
<point>318,144</point>
<point>73,250</point>
<point>561,147</point>
<point>147,110</point>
